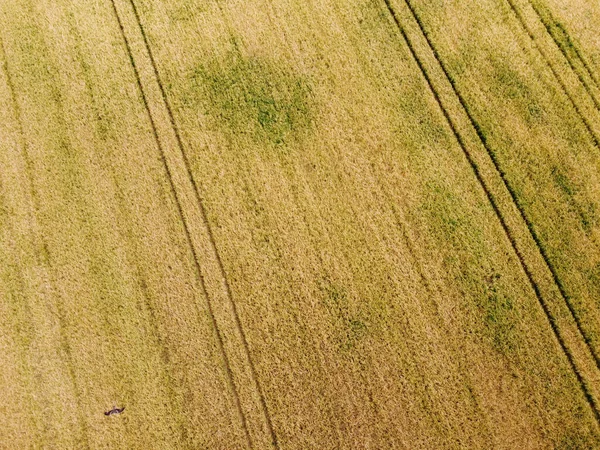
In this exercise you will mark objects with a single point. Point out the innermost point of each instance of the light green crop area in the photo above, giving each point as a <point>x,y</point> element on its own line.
<point>294,224</point>
<point>253,101</point>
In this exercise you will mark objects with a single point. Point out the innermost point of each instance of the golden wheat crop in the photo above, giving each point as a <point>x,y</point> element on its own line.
<point>299,224</point>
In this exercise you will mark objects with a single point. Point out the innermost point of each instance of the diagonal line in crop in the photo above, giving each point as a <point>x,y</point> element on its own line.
<point>563,87</point>
<point>163,349</point>
<point>64,342</point>
<point>495,161</point>
<point>205,223</point>
<point>557,332</point>
<point>536,238</point>
<point>187,232</point>
<point>547,22</point>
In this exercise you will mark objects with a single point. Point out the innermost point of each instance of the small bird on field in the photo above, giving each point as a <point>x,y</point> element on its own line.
<point>115,410</point>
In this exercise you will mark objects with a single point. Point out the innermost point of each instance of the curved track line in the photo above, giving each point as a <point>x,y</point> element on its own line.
<point>64,342</point>
<point>557,333</point>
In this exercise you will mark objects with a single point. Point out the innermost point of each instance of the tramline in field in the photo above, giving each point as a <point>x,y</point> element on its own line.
<point>299,224</point>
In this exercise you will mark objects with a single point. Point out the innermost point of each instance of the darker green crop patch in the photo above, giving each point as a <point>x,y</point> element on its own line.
<point>511,84</point>
<point>593,275</point>
<point>4,210</point>
<point>578,202</point>
<point>463,250</point>
<point>351,329</point>
<point>440,206</point>
<point>499,314</point>
<point>563,182</point>
<point>253,100</point>
<point>510,81</point>
<point>577,440</point>
<point>558,31</point>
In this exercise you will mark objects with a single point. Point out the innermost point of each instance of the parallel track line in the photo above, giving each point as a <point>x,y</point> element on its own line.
<point>173,190</point>
<point>506,183</point>
<point>556,75</point>
<point>206,224</point>
<point>64,342</point>
<point>590,73</point>
<point>557,333</point>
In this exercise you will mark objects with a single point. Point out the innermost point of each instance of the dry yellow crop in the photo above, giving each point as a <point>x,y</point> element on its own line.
<point>299,224</point>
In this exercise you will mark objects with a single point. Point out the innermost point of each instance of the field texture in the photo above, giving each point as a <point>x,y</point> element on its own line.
<point>300,224</point>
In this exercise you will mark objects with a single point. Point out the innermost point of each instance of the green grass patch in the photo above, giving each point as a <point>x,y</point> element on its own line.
<point>575,440</point>
<point>510,84</point>
<point>499,314</point>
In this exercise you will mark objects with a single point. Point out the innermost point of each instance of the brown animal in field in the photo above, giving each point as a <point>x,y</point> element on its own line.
<point>115,410</point>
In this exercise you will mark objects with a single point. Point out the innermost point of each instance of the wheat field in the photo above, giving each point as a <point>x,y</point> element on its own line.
<point>300,224</point>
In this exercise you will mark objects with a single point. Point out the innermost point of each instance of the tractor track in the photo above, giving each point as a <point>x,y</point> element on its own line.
<point>64,341</point>
<point>584,120</point>
<point>530,226</point>
<point>206,224</point>
<point>203,214</point>
<point>497,168</point>
<point>185,226</point>
<point>552,322</point>
<point>561,47</point>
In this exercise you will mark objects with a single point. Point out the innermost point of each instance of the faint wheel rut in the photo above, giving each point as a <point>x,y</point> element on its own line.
<point>147,298</point>
<point>64,342</point>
